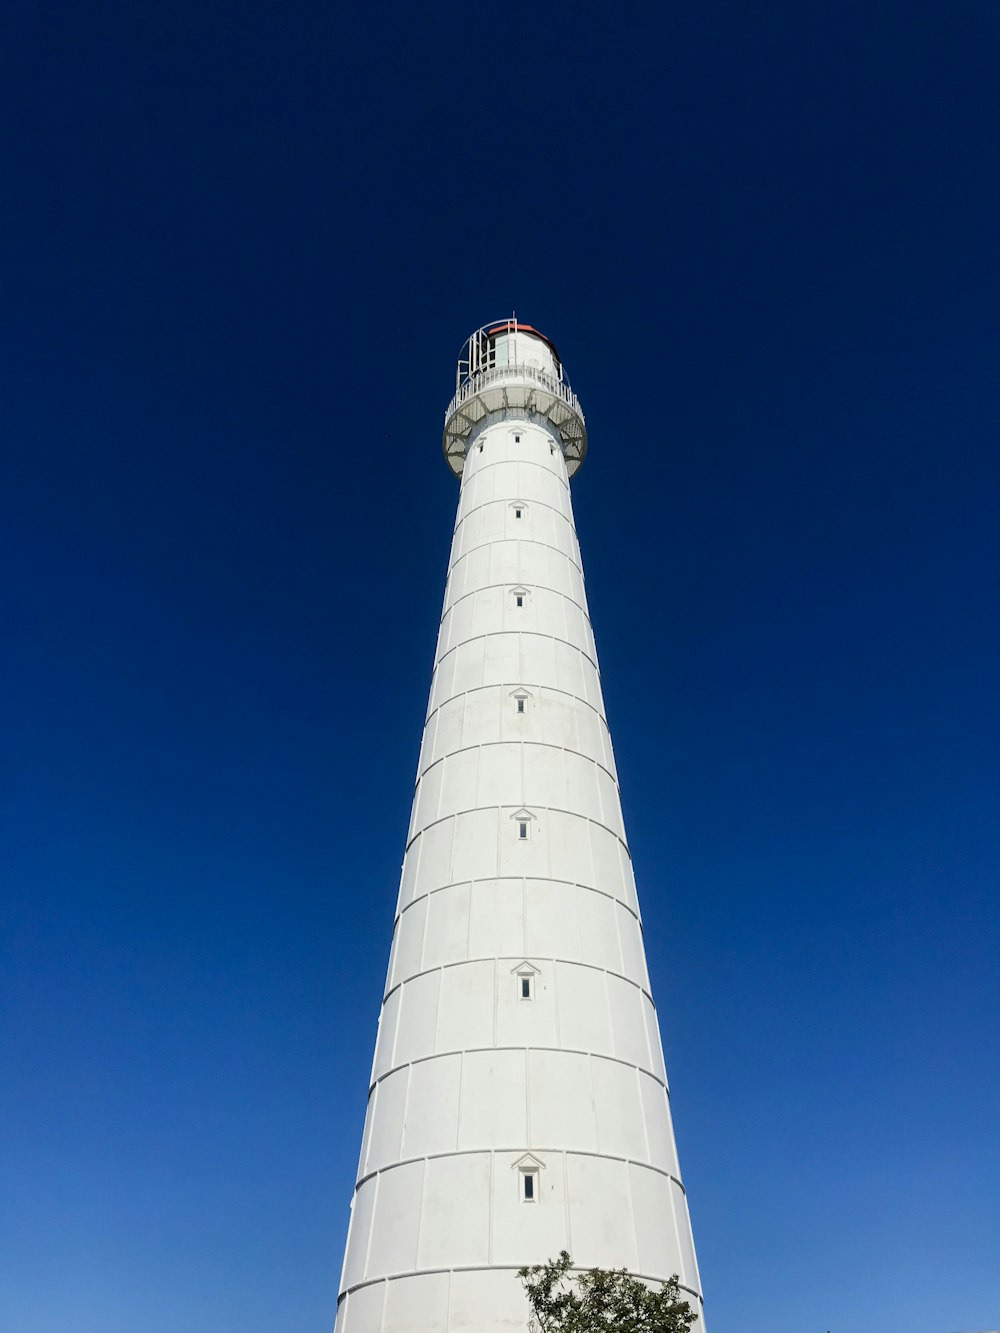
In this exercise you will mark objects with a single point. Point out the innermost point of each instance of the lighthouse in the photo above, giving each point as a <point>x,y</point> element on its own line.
<point>518,1100</point>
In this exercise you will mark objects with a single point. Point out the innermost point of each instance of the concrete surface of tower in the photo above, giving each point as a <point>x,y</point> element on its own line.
<point>518,1102</point>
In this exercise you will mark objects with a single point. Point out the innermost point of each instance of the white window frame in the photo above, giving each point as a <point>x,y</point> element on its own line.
<point>522,818</point>
<point>529,1167</point>
<point>525,972</point>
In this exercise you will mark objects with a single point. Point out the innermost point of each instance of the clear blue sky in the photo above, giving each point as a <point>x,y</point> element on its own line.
<point>242,243</point>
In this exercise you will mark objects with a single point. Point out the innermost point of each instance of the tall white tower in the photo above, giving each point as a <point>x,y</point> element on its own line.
<point>518,1102</point>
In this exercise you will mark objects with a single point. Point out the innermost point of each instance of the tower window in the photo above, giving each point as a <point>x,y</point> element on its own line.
<point>519,600</point>
<point>517,439</point>
<point>517,513</point>
<point>520,705</point>
<point>521,820</point>
<point>529,1171</point>
<point>526,988</point>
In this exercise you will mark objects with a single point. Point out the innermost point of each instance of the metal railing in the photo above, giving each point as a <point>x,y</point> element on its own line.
<point>484,379</point>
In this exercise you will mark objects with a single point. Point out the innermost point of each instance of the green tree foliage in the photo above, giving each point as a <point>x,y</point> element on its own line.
<point>601,1301</point>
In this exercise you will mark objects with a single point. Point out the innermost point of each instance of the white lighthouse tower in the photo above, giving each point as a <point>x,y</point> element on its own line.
<point>518,1102</point>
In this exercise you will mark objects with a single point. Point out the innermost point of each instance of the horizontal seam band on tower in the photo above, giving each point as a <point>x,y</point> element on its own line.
<point>549,809</point>
<point>506,958</point>
<point>509,502</point>
<point>532,541</point>
<point>492,461</point>
<point>510,685</point>
<point>449,607</point>
<point>463,515</point>
<point>493,633</point>
<point>545,745</point>
<point>492,1050</point>
<point>517,879</point>
<point>518,1148</point>
<point>489,462</point>
<point>481,471</point>
<point>520,539</point>
<point>487,1268</point>
<point>495,541</point>
<point>483,745</point>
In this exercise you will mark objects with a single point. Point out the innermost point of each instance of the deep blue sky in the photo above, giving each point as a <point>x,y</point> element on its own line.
<point>242,244</point>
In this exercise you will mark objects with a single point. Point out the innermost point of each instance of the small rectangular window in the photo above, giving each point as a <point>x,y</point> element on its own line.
<point>517,439</point>
<point>517,513</point>
<point>520,705</point>
<point>519,600</point>
<point>528,1186</point>
<point>525,988</point>
<point>522,828</point>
